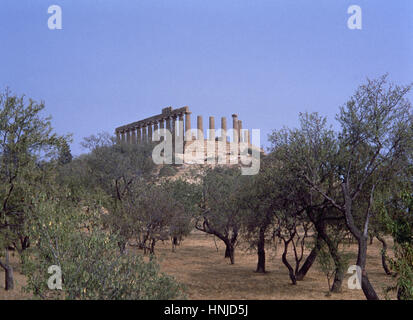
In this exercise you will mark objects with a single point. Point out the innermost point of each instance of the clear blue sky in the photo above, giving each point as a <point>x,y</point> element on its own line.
<point>119,61</point>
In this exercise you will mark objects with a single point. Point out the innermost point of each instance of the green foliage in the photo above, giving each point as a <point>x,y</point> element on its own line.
<point>326,265</point>
<point>167,171</point>
<point>65,156</point>
<point>219,211</point>
<point>186,197</point>
<point>91,264</point>
<point>28,150</point>
<point>398,219</point>
<point>155,213</point>
<point>402,263</point>
<point>113,173</point>
<point>350,168</point>
<point>141,205</point>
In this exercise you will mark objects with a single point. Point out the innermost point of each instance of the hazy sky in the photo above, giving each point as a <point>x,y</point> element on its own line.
<point>119,61</point>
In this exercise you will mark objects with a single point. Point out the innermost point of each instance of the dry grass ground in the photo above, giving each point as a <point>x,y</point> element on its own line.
<point>207,275</point>
<point>19,282</point>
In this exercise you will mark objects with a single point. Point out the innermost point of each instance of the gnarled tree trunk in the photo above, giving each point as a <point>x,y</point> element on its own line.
<point>383,255</point>
<point>287,264</point>
<point>362,238</point>
<point>8,269</point>
<point>261,251</point>
<point>224,237</point>
<point>310,260</point>
<point>229,252</point>
<point>366,286</point>
<point>333,249</point>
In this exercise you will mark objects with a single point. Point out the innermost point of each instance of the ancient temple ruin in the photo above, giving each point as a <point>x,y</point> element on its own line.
<point>178,121</point>
<point>179,145</point>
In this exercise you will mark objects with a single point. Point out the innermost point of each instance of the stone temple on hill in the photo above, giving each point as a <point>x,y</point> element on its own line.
<point>217,145</point>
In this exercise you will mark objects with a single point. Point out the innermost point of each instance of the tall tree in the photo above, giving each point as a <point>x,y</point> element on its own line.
<point>307,151</point>
<point>259,200</point>
<point>26,142</point>
<point>375,139</point>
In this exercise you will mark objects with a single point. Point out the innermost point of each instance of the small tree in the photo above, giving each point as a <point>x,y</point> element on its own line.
<point>326,265</point>
<point>187,195</point>
<point>219,209</point>
<point>156,213</point>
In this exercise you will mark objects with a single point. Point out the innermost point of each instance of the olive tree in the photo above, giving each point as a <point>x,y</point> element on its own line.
<point>309,149</point>
<point>219,211</point>
<point>375,137</point>
<point>157,212</point>
<point>259,201</point>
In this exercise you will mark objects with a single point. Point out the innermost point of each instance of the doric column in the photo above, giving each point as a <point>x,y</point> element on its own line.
<point>181,126</point>
<point>173,128</point>
<point>144,134</point>
<point>155,130</point>
<point>127,135</point>
<point>240,130</point>
<point>117,137</point>
<point>211,128</point>
<point>150,132</point>
<point>162,126</point>
<point>235,127</point>
<point>123,135</point>
<point>224,129</point>
<point>168,124</point>
<point>200,128</point>
<point>247,136</point>
<point>188,133</point>
<point>139,135</point>
<point>179,145</point>
<point>133,136</point>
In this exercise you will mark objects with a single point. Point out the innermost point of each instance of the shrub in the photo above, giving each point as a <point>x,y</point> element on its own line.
<point>92,266</point>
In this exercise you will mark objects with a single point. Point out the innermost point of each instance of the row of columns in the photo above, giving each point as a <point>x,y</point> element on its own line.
<point>144,133</point>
